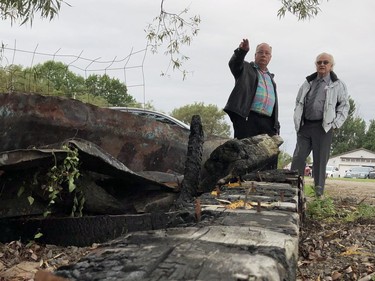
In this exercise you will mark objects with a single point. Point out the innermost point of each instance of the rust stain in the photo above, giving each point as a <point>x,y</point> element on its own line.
<point>141,143</point>
<point>31,120</point>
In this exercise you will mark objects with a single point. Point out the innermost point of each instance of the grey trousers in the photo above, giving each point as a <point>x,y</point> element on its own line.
<point>312,136</point>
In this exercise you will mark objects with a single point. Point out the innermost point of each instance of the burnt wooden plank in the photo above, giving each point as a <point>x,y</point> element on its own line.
<point>226,244</point>
<point>84,231</point>
<point>207,253</point>
<point>235,158</point>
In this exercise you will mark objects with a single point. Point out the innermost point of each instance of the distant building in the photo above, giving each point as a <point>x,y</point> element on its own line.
<point>357,157</point>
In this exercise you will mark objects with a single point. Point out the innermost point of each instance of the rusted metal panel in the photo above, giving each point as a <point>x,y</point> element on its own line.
<point>92,158</point>
<point>101,175</point>
<point>142,144</point>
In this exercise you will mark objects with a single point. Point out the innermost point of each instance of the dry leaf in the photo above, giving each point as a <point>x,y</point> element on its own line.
<point>336,275</point>
<point>43,275</point>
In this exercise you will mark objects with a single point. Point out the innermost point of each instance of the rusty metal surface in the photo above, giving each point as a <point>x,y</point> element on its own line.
<point>92,158</point>
<point>26,167</point>
<point>142,144</point>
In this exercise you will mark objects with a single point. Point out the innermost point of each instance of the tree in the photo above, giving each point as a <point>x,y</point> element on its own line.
<point>58,78</point>
<point>110,89</point>
<point>369,139</point>
<point>212,118</point>
<point>24,10</point>
<point>55,78</point>
<point>351,134</point>
<point>11,79</point>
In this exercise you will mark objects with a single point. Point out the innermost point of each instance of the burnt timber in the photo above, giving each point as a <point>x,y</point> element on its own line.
<point>213,238</point>
<point>256,242</point>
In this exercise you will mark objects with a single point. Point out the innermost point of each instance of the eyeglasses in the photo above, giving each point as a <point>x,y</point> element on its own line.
<point>263,53</point>
<point>325,62</point>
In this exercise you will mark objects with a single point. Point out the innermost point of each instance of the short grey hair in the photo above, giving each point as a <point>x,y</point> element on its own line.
<point>258,46</point>
<point>332,60</point>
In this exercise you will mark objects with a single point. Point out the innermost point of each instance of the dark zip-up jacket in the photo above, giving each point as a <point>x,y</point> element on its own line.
<point>246,83</point>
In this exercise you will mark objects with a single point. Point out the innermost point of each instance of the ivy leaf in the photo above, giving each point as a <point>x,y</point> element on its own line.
<point>20,191</point>
<point>30,199</point>
<point>72,186</point>
<point>46,213</point>
<point>38,235</point>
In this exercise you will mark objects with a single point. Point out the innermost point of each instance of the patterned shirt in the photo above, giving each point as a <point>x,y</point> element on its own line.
<point>264,99</point>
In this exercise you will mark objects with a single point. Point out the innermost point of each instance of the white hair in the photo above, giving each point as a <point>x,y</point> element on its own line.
<point>332,60</point>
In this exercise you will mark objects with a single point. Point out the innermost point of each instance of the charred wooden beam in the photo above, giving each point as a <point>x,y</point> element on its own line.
<point>255,243</point>
<point>193,162</point>
<point>236,157</point>
<point>271,176</point>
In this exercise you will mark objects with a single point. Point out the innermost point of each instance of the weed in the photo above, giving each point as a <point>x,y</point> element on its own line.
<point>321,209</point>
<point>362,211</point>
<point>325,209</point>
<point>61,176</point>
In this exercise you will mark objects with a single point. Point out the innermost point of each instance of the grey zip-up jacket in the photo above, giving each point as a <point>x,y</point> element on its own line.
<point>246,82</point>
<point>336,106</point>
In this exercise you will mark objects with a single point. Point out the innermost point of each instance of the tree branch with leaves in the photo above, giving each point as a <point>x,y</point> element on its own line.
<point>25,10</point>
<point>178,29</point>
<point>303,9</point>
<point>174,30</point>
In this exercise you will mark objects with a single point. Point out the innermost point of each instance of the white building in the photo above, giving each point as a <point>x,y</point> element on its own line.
<point>357,157</point>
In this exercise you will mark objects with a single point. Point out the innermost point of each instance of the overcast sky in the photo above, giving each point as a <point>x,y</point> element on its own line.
<point>109,30</point>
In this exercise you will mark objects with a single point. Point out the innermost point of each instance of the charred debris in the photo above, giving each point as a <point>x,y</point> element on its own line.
<point>64,163</point>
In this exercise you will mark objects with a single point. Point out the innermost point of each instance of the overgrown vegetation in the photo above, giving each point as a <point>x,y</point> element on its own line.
<point>335,240</point>
<point>53,78</point>
<point>65,174</point>
<point>327,210</point>
<point>58,179</point>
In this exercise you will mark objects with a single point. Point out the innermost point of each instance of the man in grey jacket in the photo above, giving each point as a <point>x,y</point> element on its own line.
<point>252,105</point>
<point>322,105</point>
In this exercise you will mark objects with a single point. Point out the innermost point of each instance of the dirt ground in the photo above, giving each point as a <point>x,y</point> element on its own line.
<point>361,190</point>
<point>337,250</point>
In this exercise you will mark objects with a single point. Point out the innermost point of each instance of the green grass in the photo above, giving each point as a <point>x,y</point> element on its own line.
<point>350,179</point>
<point>325,209</point>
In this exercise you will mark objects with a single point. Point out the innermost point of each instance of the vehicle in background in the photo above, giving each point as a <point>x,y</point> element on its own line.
<point>332,172</point>
<point>308,171</point>
<point>371,175</point>
<point>359,172</point>
<point>158,116</point>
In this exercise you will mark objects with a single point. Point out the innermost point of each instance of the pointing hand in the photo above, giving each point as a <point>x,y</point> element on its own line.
<point>244,45</point>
